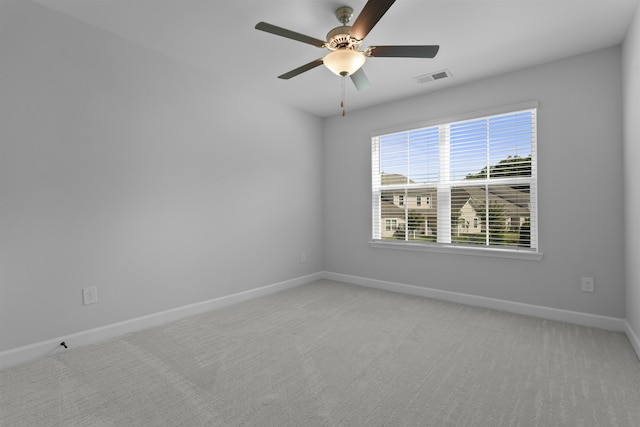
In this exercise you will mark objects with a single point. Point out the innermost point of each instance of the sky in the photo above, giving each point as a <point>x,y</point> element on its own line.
<point>416,153</point>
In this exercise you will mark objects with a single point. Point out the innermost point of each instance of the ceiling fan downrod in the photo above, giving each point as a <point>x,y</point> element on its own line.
<point>344,14</point>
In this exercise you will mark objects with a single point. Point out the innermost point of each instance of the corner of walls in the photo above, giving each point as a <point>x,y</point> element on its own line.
<point>633,337</point>
<point>631,101</point>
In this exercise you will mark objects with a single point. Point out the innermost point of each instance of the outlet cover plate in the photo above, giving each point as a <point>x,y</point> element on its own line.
<point>586,285</point>
<point>90,295</point>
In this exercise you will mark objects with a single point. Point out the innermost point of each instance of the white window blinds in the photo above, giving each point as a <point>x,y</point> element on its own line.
<point>469,182</point>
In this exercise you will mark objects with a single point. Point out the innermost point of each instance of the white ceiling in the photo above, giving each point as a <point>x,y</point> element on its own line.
<point>477,38</point>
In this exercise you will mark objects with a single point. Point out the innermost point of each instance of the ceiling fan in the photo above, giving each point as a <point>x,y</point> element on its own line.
<point>345,57</point>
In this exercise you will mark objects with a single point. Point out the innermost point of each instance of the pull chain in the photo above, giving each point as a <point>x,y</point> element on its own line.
<point>342,96</point>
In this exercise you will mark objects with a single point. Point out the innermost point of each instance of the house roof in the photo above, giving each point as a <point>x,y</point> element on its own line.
<point>511,199</point>
<point>394,179</point>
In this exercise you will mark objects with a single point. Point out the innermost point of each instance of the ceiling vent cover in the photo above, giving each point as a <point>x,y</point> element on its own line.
<point>438,75</point>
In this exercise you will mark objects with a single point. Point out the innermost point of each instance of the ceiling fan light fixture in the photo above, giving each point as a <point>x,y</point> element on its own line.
<point>344,62</point>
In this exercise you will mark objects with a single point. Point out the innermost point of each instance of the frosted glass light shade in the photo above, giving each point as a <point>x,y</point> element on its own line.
<point>344,62</point>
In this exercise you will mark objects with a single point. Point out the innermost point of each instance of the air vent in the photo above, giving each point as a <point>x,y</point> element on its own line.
<point>443,74</point>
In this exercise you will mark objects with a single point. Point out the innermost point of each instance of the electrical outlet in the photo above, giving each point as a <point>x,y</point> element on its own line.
<point>303,257</point>
<point>587,284</point>
<point>90,295</point>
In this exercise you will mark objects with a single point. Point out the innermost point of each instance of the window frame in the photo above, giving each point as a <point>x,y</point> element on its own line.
<point>492,251</point>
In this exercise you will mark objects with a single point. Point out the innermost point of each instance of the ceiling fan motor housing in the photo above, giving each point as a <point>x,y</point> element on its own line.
<point>338,38</point>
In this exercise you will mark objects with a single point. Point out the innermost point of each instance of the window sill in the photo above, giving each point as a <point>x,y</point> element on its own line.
<point>459,250</point>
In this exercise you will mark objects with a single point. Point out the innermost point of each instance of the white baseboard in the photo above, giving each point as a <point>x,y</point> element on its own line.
<point>633,338</point>
<point>585,319</point>
<point>26,353</point>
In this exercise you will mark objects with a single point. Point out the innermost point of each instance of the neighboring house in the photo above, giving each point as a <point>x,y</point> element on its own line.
<point>398,207</point>
<point>418,209</point>
<point>513,203</point>
<point>468,221</point>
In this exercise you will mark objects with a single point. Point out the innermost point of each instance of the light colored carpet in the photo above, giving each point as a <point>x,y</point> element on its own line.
<point>330,354</point>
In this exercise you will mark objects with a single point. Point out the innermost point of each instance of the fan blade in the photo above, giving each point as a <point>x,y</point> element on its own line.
<point>278,31</point>
<point>300,70</point>
<point>403,51</point>
<point>360,80</point>
<point>369,17</point>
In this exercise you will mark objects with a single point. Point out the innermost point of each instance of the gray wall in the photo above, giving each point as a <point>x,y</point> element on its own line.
<point>631,72</point>
<point>126,170</point>
<point>164,186</point>
<point>580,189</point>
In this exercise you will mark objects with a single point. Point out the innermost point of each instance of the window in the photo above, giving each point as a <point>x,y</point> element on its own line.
<point>480,173</point>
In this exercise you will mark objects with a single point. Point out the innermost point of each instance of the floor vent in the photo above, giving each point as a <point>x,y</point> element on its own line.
<point>433,76</point>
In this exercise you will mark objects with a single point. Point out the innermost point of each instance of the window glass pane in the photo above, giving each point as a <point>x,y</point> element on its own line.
<point>409,221</point>
<point>468,148</point>
<point>495,215</point>
<point>510,140</point>
<point>409,157</point>
<point>494,147</point>
<point>392,214</point>
<point>394,159</point>
<point>424,158</point>
<point>422,218</point>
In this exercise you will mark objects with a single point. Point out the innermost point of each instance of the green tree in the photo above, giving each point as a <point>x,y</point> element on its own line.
<point>524,239</point>
<point>415,221</point>
<point>505,168</point>
<point>495,224</point>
